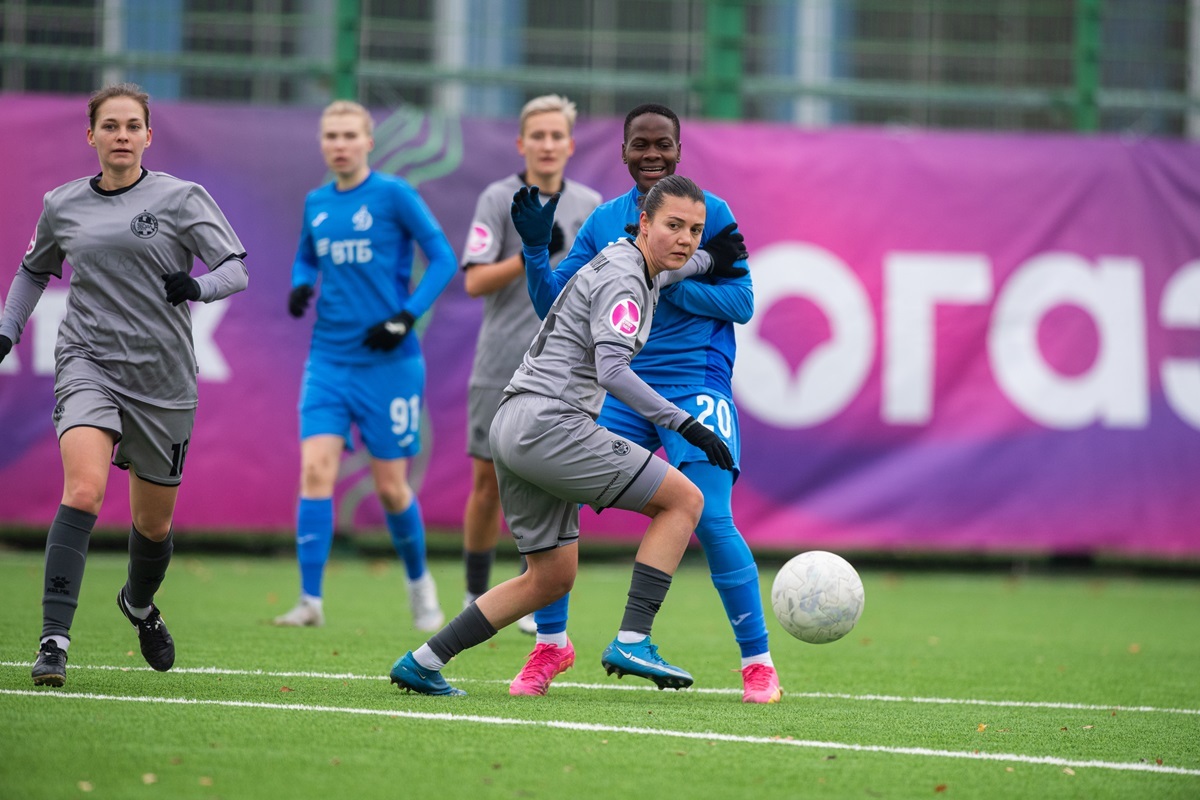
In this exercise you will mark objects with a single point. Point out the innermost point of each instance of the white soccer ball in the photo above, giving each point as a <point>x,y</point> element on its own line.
<point>817,597</point>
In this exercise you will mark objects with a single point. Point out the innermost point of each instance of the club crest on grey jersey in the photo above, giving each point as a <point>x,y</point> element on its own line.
<point>144,225</point>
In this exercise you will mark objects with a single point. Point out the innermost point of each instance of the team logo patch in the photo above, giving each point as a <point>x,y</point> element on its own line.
<point>620,447</point>
<point>362,219</point>
<point>58,412</point>
<point>625,317</point>
<point>480,239</point>
<point>144,225</point>
<point>32,241</point>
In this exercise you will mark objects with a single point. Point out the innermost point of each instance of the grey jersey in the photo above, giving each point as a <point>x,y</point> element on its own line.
<point>608,304</point>
<point>509,321</point>
<point>118,328</point>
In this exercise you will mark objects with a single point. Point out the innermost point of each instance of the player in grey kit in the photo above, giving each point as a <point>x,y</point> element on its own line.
<point>125,365</point>
<point>551,455</point>
<point>493,268</point>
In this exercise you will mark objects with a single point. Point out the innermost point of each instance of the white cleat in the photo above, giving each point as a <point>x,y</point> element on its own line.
<point>422,597</point>
<point>304,615</point>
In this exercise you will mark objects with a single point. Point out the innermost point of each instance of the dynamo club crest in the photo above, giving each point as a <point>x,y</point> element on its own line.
<point>144,225</point>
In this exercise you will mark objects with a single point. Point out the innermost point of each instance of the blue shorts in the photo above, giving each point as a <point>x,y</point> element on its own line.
<point>711,408</point>
<point>383,400</point>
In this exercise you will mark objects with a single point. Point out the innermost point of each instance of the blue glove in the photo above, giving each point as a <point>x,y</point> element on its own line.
<point>534,222</point>
<point>180,286</point>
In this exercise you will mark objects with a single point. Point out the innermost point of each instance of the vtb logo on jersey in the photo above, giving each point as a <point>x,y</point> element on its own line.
<point>144,225</point>
<point>625,317</point>
<point>362,219</point>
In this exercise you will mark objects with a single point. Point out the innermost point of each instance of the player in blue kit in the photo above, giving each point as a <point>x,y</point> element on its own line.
<point>365,366</point>
<point>688,360</point>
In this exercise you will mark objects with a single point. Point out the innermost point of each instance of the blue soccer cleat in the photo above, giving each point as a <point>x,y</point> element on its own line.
<point>410,675</point>
<point>642,659</point>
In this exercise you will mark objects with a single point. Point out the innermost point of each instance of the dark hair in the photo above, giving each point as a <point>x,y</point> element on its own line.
<point>651,108</point>
<point>118,90</point>
<point>670,186</point>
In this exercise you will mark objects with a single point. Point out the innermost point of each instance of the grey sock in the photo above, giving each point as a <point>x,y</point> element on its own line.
<point>468,629</point>
<point>647,590</point>
<point>148,562</point>
<point>66,555</point>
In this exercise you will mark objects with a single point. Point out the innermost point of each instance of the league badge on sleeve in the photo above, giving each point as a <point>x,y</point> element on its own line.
<point>625,317</point>
<point>480,239</point>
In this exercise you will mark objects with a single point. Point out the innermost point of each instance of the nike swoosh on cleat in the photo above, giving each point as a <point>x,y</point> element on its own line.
<point>651,665</point>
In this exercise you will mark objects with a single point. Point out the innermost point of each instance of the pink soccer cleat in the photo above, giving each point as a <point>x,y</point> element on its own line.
<point>760,684</point>
<point>545,663</point>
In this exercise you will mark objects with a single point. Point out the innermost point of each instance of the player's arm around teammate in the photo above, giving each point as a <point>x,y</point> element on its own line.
<point>125,369</point>
<point>365,369</point>
<point>493,269</point>
<point>551,455</point>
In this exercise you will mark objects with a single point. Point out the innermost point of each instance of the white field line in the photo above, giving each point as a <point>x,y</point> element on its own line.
<point>627,730</point>
<point>881,698</point>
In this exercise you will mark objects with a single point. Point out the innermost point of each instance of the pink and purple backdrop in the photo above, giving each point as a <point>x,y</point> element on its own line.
<point>962,342</point>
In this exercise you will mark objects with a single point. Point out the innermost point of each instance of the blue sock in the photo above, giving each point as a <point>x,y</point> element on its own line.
<point>730,561</point>
<point>314,537</point>
<point>408,537</point>
<point>553,618</point>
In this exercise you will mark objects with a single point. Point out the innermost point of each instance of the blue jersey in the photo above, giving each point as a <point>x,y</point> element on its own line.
<point>360,243</point>
<point>692,341</point>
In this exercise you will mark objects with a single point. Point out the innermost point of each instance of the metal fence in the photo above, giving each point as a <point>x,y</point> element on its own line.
<point>1083,65</point>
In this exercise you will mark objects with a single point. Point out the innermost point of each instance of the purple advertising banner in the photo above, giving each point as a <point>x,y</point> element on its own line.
<point>961,342</point>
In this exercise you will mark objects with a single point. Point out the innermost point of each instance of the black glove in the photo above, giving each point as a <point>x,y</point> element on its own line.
<point>534,222</point>
<point>5,346</point>
<point>727,248</point>
<point>180,286</point>
<point>388,334</point>
<point>709,442</point>
<point>557,240</point>
<point>298,300</point>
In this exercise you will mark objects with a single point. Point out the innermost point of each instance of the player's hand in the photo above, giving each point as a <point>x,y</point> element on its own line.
<point>534,222</point>
<point>180,286</point>
<point>298,300</point>
<point>727,248</point>
<point>5,346</point>
<point>388,334</point>
<point>712,445</point>
<point>558,239</point>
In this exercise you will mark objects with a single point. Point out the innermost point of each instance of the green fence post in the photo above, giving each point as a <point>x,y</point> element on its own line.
<point>345,50</point>
<point>725,25</point>
<point>1087,65</point>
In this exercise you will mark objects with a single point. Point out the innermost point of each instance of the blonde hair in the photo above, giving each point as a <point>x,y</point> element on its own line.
<point>131,90</point>
<point>547,103</point>
<point>350,107</point>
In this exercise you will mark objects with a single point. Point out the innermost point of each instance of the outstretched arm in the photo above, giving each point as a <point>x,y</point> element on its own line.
<point>543,282</point>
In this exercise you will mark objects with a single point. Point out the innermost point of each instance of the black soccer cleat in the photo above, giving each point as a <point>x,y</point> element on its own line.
<point>50,669</point>
<point>158,648</point>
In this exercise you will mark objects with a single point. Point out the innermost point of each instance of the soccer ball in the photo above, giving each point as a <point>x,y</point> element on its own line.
<point>817,597</point>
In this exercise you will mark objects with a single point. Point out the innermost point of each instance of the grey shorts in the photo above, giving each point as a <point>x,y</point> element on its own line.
<point>551,457</point>
<point>151,440</point>
<point>482,402</point>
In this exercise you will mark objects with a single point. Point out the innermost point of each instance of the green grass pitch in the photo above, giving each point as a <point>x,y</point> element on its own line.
<point>952,685</point>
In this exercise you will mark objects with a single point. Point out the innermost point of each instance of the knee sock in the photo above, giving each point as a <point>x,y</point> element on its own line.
<point>314,538</point>
<point>734,573</point>
<point>148,562</point>
<point>479,570</point>
<point>647,590</point>
<point>408,537</point>
<point>553,618</point>
<point>66,554</point>
<point>466,630</point>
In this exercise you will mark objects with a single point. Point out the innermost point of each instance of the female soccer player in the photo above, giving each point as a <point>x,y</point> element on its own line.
<point>125,367</point>
<point>550,454</point>
<point>689,360</point>
<point>493,269</point>
<point>365,366</point>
